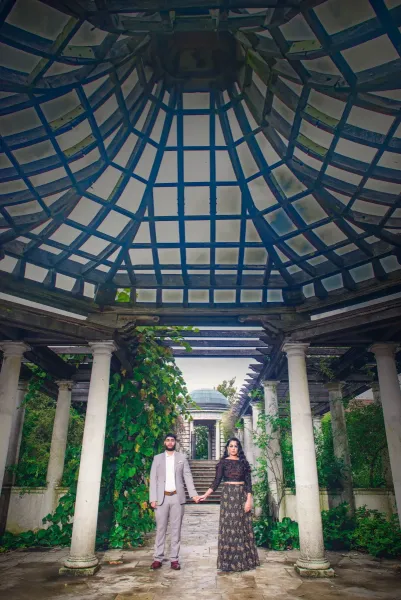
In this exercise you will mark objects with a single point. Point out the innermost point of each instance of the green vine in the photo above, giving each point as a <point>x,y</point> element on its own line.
<point>141,410</point>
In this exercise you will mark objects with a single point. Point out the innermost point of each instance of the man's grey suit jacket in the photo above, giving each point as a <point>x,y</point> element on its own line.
<point>158,478</point>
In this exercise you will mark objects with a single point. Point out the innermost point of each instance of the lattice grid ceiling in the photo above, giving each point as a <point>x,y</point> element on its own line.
<point>283,186</point>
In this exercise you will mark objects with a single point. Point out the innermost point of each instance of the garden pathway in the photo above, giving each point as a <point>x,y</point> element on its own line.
<point>34,575</point>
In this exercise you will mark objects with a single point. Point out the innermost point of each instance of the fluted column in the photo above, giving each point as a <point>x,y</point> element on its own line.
<point>312,561</point>
<point>340,440</point>
<point>218,440</point>
<point>9,377</point>
<point>248,438</point>
<point>82,552</point>
<point>275,473</point>
<point>390,394</point>
<point>16,429</point>
<point>58,446</point>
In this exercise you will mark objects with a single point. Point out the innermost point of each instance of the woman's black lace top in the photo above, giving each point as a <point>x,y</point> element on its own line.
<point>232,470</point>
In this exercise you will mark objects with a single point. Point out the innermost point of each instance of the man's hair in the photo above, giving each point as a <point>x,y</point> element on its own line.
<point>170,435</point>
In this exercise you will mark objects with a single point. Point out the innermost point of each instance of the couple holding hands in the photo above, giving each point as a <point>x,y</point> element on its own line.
<point>170,469</point>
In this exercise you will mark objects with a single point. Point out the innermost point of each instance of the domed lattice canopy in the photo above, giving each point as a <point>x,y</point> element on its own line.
<point>209,399</point>
<point>210,156</point>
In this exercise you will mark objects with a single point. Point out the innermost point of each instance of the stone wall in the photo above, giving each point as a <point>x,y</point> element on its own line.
<point>26,512</point>
<point>381,500</point>
<point>26,509</point>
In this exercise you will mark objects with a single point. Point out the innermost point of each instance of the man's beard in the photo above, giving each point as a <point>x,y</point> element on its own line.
<point>170,449</point>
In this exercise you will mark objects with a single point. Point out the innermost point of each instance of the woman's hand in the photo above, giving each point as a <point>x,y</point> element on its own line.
<point>153,504</point>
<point>202,498</point>
<point>248,506</point>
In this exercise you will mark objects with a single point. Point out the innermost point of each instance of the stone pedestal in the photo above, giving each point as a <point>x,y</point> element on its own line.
<point>340,440</point>
<point>312,561</point>
<point>82,558</point>
<point>58,445</point>
<point>9,377</point>
<point>390,394</point>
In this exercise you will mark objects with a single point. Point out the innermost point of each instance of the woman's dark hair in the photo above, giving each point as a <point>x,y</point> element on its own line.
<point>241,453</point>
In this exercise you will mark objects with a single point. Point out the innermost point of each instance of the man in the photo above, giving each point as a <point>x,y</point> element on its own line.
<point>167,496</point>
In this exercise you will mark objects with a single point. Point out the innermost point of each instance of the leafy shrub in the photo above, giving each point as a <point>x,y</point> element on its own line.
<point>277,535</point>
<point>338,528</point>
<point>376,534</point>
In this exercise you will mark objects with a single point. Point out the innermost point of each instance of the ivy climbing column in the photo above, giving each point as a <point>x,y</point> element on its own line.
<point>390,394</point>
<point>256,451</point>
<point>312,561</point>
<point>340,440</point>
<point>58,445</point>
<point>9,377</point>
<point>274,456</point>
<point>82,553</point>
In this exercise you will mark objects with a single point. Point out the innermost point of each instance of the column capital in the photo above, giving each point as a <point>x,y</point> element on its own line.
<point>270,383</point>
<point>64,384</point>
<point>11,348</point>
<point>105,347</point>
<point>295,348</point>
<point>383,348</point>
<point>334,386</point>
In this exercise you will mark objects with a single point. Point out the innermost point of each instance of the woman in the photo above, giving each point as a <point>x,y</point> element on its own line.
<point>236,547</point>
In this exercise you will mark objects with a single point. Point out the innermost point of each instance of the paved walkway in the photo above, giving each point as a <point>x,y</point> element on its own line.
<point>34,575</point>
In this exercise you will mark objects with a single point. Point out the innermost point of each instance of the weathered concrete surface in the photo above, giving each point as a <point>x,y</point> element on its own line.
<point>34,575</point>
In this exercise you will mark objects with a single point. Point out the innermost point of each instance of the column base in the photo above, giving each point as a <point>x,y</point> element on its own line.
<point>80,565</point>
<point>81,571</point>
<point>314,572</point>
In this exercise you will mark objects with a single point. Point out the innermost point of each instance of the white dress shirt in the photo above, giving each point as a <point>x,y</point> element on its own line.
<point>170,474</point>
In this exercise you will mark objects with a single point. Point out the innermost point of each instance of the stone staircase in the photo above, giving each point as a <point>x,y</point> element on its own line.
<point>203,473</point>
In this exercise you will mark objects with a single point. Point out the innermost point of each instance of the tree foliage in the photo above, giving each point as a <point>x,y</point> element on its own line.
<point>228,389</point>
<point>202,442</point>
<point>368,445</point>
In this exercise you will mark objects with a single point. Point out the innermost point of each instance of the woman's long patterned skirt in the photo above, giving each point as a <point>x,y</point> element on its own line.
<point>236,547</point>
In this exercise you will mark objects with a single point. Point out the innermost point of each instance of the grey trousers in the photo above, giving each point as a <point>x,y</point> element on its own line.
<point>172,510</point>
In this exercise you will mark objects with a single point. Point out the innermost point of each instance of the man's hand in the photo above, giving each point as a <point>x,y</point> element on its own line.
<point>195,499</point>
<point>153,504</point>
<point>248,506</point>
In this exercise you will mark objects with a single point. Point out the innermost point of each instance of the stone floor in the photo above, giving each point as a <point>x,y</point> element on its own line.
<point>33,575</point>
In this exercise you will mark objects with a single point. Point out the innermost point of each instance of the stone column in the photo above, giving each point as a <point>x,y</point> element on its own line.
<point>390,394</point>
<point>209,444</point>
<point>256,410</point>
<point>82,552</point>
<point>58,445</point>
<point>9,377</point>
<point>385,457</point>
<point>16,429</point>
<point>256,451</point>
<point>275,472</point>
<point>376,392</point>
<point>218,440</point>
<point>340,440</point>
<point>312,561</point>
<point>317,423</point>
<point>248,438</point>
<point>192,450</point>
